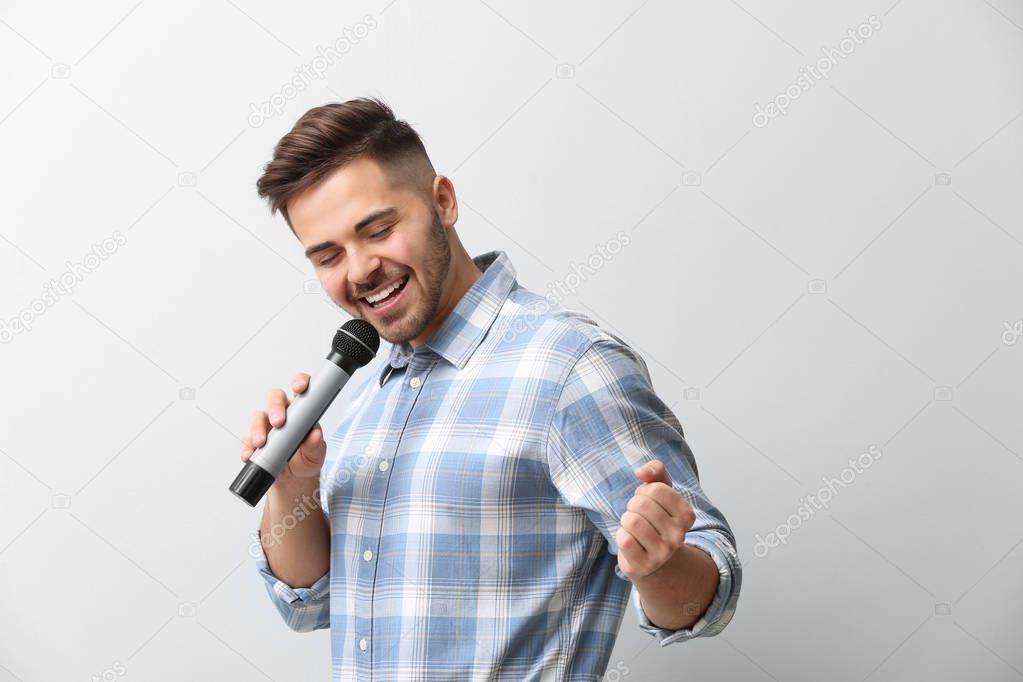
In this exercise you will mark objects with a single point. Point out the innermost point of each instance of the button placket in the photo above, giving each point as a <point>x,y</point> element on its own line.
<point>381,451</point>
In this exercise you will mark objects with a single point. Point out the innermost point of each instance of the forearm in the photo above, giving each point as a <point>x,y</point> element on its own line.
<point>294,533</point>
<point>676,595</point>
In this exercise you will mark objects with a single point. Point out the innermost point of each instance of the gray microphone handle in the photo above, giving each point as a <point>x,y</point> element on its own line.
<point>300,418</point>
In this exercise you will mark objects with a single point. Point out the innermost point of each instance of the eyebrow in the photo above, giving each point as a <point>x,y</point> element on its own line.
<point>369,219</point>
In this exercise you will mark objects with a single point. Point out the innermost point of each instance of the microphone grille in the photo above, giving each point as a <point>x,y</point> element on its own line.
<point>358,340</point>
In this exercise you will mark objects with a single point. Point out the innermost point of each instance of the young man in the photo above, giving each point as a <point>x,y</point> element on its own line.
<point>506,473</point>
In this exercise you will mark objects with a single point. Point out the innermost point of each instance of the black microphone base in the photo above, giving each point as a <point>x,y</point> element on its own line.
<point>251,483</point>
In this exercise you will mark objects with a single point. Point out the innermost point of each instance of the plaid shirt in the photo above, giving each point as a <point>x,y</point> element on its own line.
<point>473,490</point>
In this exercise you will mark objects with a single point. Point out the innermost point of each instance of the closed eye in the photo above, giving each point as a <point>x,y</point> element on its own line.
<point>380,233</point>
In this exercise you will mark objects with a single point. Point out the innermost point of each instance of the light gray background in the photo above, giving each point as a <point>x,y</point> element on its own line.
<point>846,276</point>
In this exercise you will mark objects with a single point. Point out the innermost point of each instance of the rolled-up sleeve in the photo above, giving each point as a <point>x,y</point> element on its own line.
<point>721,548</point>
<point>303,609</point>
<point>609,421</point>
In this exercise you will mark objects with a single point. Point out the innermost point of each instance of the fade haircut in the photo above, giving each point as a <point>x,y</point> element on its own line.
<point>327,137</point>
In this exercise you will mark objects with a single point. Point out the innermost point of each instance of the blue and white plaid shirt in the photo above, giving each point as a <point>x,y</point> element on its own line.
<point>473,490</point>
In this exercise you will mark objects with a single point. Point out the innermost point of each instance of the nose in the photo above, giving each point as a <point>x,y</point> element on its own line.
<point>361,265</point>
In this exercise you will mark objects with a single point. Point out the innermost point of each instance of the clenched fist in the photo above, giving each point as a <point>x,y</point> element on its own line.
<point>655,525</point>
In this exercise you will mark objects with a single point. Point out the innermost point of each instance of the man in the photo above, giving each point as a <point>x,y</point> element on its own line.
<point>506,472</point>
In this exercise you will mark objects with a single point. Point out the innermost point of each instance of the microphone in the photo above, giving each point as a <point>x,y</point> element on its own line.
<point>355,344</point>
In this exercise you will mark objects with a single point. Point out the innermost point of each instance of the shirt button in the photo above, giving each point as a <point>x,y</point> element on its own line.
<point>383,465</point>
<point>414,382</point>
<point>367,555</point>
<point>362,644</point>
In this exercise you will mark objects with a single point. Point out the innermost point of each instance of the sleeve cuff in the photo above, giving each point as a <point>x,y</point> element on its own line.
<point>302,608</point>
<point>717,615</point>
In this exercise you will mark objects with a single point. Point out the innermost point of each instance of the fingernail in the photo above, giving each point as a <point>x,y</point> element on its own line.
<point>276,416</point>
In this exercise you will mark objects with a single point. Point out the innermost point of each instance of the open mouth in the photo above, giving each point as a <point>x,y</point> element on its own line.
<point>389,300</point>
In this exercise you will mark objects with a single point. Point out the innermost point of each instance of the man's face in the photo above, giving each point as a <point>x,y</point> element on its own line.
<point>362,235</point>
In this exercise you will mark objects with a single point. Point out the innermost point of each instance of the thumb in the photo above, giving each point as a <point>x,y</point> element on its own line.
<point>652,472</point>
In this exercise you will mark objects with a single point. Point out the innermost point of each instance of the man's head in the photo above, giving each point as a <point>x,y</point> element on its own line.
<point>358,190</point>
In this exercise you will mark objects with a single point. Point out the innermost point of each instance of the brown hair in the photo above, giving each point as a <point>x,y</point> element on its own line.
<point>329,136</point>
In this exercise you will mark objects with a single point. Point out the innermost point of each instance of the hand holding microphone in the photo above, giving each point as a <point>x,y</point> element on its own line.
<point>308,459</point>
<point>295,428</point>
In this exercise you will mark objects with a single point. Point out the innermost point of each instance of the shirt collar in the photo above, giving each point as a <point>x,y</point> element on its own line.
<point>464,328</point>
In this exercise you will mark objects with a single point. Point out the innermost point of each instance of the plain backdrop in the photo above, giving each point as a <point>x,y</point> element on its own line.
<point>837,277</point>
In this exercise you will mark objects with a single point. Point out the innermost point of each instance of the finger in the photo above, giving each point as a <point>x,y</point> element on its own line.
<point>656,470</point>
<point>313,438</point>
<point>651,511</point>
<point>623,537</point>
<point>310,444</point>
<point>300,383</point>
<point>664,496</point>
<point>258,426</point>
<point>246,445</point>
<point>276,403</point>
<point>639,528</point>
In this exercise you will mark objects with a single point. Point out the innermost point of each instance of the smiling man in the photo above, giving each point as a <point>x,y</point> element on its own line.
<point>505,475</point>
<point>410,286</point>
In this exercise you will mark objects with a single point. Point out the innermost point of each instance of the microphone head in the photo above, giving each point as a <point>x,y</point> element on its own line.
<point>357,339</point>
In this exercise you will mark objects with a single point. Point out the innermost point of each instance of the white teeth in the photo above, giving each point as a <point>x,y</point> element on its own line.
<point>385,293</point>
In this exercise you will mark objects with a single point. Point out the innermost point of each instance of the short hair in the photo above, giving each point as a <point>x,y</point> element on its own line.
<point>327,137</point>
